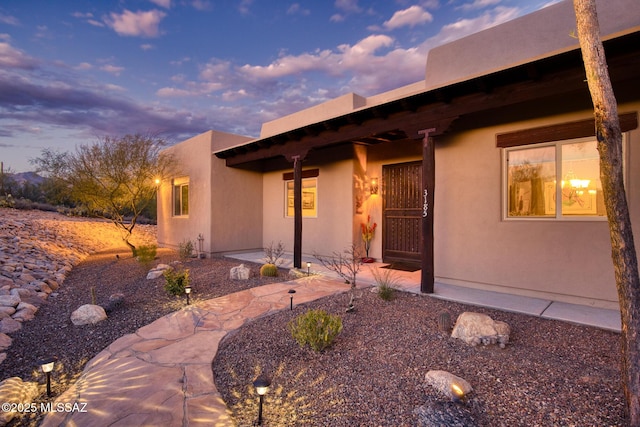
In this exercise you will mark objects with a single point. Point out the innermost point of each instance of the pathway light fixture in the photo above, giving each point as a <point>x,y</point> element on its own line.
<point>47,366</point>
<point>291,292</point>
<point>308,268</point>
<point>261,384</point>
<point>187,290</point>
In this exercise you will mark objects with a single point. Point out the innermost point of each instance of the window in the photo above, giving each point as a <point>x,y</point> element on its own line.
<point>533,189</point>
<point>181,197</point>
<point>309,198</point>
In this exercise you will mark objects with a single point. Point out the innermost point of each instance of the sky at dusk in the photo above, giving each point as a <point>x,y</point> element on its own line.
<point>72,71</point>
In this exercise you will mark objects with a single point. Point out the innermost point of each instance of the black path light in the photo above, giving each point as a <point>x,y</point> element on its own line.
<point>308,269</point>
<point>47,366</point>
<point>187,290</point>
<point>291,292</point>
<point>261,384</point>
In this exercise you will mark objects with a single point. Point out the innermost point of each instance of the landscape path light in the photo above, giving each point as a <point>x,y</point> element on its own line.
<point>261,384</point>
<point>291,292</point>
<point>47,366</point>
<point>308,268</point>
<point>187,290</point>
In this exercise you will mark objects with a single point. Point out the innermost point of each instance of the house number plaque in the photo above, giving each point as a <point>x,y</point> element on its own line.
<point>425,205</point>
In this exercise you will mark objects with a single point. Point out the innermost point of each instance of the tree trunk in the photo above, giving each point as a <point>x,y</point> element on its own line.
<point>624,255</point>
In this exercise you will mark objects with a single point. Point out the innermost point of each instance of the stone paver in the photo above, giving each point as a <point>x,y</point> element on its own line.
<point>161,375</point>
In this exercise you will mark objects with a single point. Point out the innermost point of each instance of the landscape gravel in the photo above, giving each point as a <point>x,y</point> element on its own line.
<point>551,373</point>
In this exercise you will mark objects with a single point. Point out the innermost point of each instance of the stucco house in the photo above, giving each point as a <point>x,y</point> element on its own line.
<point>485,173</point>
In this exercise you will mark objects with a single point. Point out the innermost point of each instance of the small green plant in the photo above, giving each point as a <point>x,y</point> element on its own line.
<point>175,281</point>
<point>315,328</point>
<point>269,270</point>
<point>146,254</point>
<point>185,249</point>
<point>386,282</point>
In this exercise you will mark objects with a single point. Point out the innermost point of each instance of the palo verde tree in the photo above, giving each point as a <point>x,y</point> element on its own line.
<point>609,137</point>
<point>114,178</point>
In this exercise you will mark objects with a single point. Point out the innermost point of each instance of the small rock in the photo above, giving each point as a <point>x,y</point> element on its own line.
<point>157,271</point>
<point>240,272</point>
<point>115,301</point>
<point>9,300</point>
<point>88,314</point>
<point>5,342</point>
<point>9,325</point>
<point>443,381</point>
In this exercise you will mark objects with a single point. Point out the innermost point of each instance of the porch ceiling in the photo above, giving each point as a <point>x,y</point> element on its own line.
<point>559,75</point>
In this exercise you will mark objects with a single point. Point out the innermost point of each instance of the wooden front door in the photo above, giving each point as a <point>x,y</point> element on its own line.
<point>402,205</point>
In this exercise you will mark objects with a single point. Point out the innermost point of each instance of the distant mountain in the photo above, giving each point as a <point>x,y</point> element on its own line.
<point>30,177</point>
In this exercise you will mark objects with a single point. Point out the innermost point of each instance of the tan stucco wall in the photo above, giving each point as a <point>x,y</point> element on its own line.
<point>474,246</point>
<point>223,202</point>
<point>331,230</point>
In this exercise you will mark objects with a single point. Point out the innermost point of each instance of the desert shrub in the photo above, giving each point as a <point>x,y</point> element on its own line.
<point>273,254</point>
<point>175,281</point>
<point>315,328</point>
<point>146,254</point>
<point>269,270</point>
<point>185,249</point>
<point>386,282</point>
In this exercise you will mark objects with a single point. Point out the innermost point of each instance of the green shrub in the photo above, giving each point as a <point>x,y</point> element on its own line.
<point>386,281</point>
<point>146,254</point>
<point>269,270</point>
<point>316,328</point>
<point>175,281</point>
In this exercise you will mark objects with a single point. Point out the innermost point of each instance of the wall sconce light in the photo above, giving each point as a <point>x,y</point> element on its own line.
<point>262,387</point>
<point>187,290</point>
<point>291,292</point>
<point>374,185</point>
<point>47,366</point>
<point>308,269</point>
<point>157,181</point>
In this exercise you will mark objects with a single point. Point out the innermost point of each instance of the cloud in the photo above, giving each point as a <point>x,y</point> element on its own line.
<point>147,46</point>
<point>14,58</point>
<point>349,6</point>
<point>245,6</point>
<point>478,4</point>
<point>414,15</point>
<point>144,24</point>
<point>162,3</point>
<point>296,9</point>
<point>9,20</point>
<point>465,27</point>
<point>201,5</point>
<point>112,69</point>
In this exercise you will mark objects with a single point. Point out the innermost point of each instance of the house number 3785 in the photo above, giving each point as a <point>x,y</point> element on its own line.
<point>425,205</point>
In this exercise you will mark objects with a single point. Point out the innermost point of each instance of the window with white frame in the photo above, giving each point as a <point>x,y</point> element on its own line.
<point>309,198</point>
<point>181,197</point>
<point>559,180</point>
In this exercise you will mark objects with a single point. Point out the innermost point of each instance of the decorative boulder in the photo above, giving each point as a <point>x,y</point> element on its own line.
<point>240,272</point>
<point>444,382</point>
<point>476,328</point>
<point>14,390</point>
<point>88,314</point>
<point>5,342</point>
<point>157,271</point>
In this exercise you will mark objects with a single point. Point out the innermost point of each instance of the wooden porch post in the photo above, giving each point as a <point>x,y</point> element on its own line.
<point>297,211</point>
<point>428,187</point>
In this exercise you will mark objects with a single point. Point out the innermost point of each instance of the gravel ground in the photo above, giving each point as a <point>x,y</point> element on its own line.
<point>52,333</point>
<point>550,374</point>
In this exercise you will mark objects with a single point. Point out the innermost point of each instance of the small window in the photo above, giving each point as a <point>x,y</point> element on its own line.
<point>559,180</point>
<point>309,198</point>
<point>181,198</point>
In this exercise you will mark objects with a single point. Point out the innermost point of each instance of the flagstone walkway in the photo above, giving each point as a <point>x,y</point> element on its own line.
<point>161,375</point>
